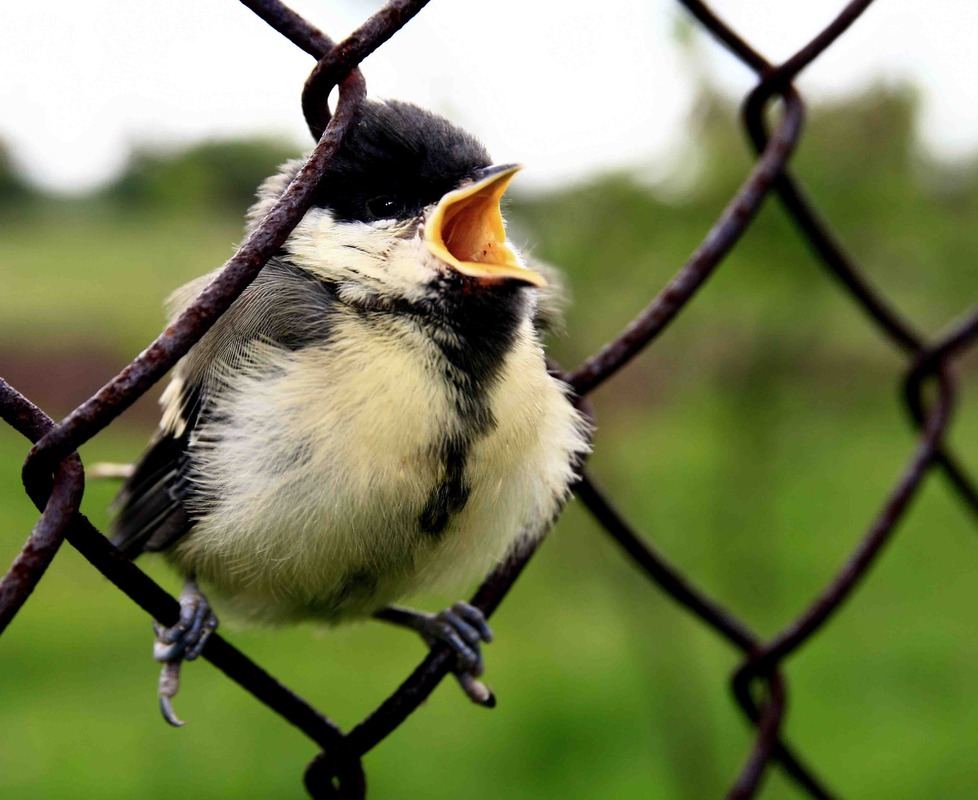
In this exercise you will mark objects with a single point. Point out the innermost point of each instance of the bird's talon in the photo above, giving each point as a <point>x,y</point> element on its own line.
<point>188,637</point>
<point>466,655</point>
<point>168,687</point>
<point>443,631</point>
<point>474,617</point>
<point>190,611</point>
<point>477,691</point>
<point>463,628</point>
<point>181,642</point>
<point>164,653</point>
<point>200,633</point>
<point>166,708</point>
<point>166,635</point>
<point>469,633</point>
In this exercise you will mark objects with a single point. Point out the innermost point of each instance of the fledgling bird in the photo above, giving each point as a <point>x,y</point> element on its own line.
<point>373,416</point>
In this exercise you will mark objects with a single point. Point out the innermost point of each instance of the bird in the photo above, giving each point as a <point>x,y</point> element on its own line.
<point>373,417</point>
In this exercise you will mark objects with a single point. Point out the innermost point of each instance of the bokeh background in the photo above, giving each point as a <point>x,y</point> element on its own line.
<point>753,442</point>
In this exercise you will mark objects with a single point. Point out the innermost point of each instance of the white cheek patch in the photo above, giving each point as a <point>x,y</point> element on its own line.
<point>409,267</point>
<point>335,251</point>
<point>366,259</point>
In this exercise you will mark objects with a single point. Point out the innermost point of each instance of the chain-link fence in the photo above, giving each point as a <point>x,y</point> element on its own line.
<point>54,478</point>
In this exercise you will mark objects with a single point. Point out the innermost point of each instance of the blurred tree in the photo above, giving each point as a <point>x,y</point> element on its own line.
<point>902,212</point>
<point>215,175</point>
<point>14,190</point>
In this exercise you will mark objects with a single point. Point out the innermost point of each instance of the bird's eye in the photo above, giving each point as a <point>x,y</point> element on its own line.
<point>384,207</point>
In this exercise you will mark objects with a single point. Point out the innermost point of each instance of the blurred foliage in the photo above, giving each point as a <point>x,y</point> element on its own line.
<point>14,190</point>
<point>753,442</point>
<point>215,176</point>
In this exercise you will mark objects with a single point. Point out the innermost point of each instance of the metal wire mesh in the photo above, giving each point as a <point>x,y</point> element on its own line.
<point>54,479</point>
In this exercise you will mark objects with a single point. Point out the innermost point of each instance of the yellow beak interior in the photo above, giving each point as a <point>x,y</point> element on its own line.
<point>466,231</point>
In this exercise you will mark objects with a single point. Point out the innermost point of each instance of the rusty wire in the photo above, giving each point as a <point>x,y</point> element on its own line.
<point>54,478</point>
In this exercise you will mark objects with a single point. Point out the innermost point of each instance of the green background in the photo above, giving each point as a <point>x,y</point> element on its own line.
<point>754,443</point>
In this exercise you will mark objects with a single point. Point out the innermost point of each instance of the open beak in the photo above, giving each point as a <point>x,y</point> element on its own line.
<point>467,233</point>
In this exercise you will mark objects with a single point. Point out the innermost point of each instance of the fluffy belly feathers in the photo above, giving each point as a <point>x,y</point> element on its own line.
<point>372,458</point>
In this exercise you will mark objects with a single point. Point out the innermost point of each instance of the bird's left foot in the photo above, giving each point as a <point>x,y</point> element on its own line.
<point>463,628</point>
<point>181,642</point>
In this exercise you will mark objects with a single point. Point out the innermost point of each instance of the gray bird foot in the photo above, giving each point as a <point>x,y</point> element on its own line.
<point>463,628</point>
<point>181,642</point>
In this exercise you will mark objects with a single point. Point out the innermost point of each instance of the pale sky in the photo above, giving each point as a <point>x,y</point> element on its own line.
<point>565,88</point>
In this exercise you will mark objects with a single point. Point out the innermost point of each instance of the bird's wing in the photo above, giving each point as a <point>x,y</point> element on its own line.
<point>151,508</point>
<point>284,307</point>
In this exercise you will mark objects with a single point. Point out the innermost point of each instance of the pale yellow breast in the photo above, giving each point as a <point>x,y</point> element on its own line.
<point>328,455</point>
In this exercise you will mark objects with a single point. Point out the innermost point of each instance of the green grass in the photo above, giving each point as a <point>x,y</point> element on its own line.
<point>78,276</point>
<point>604,685</point>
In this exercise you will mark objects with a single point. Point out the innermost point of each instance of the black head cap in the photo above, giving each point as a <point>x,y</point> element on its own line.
<point>396,160</point>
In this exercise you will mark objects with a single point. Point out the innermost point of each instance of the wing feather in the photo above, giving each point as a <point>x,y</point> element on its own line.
<point>151,508</point>
<point>285,307</point>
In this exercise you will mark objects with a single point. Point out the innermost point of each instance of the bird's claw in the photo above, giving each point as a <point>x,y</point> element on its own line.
<point>185,640</point>
<point>181,642</point>
<point>463,628</point>
<point>168,687</point>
